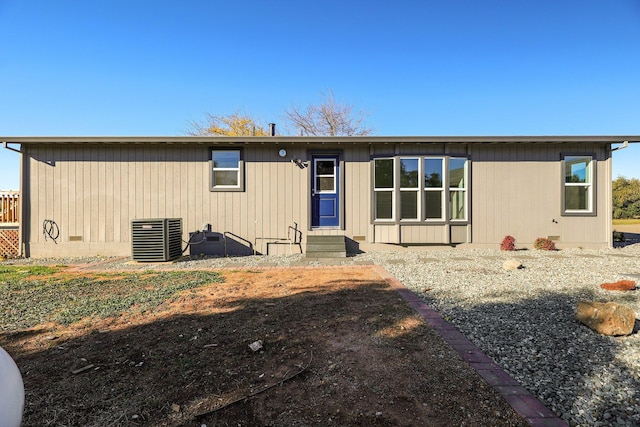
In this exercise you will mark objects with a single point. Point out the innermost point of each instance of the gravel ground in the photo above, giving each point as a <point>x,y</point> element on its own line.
<point>523,319</point>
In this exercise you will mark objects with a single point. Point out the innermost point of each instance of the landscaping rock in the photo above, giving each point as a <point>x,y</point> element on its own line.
<point>620,285</point>
<point>256,346</point>
<point>606,318</point>
<point>512,264</point>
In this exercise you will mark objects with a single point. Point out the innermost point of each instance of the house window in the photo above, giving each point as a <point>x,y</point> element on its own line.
<point>578,184</point>
<point>325,175</point>
<point>433,189</point>
<point>420,188</point>
<point>409,188</point>
<point>457,189</point>
<point>226,170</point>
<point>383,188</point>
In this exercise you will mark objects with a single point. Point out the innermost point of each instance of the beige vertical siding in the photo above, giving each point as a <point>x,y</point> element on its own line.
<point>357,191</point>
<point>386,233</point>
<point>517,190</point>
<point>459,233</point>
<point>437,234</point>
<point>93,192</point>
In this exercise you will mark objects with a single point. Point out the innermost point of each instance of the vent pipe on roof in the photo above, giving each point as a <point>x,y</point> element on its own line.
<point>272,129</point>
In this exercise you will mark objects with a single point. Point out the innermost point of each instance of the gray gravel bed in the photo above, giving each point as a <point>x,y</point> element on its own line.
<point>523,319</point>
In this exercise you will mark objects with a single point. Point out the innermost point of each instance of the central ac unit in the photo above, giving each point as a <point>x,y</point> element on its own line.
<point>156,239</point>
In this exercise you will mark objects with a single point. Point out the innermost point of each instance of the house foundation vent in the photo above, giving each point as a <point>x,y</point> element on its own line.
<point>156,239</point>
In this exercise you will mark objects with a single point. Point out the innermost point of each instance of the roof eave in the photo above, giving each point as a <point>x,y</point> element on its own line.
<point>605,139</point>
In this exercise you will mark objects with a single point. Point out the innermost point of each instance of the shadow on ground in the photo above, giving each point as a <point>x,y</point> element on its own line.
<point>363,357</point>
<point>569,367</point>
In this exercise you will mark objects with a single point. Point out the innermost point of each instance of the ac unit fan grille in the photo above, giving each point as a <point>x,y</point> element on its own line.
<point>156,240</point>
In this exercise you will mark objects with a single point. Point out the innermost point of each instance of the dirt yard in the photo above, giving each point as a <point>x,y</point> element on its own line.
<point>339,348</point>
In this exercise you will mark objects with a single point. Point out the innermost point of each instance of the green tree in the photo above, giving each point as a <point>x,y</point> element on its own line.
<point>236,124</point>
<point>626,198</point>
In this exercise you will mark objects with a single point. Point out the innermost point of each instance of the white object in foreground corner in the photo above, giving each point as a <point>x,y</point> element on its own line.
<point>11,392</point>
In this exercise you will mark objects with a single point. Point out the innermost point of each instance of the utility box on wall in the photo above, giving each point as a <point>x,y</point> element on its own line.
<point>156,239</point>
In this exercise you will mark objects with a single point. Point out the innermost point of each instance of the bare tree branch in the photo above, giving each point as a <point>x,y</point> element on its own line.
<point>330,118</point>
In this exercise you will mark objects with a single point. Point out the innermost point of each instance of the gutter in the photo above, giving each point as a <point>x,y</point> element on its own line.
<point>26,140</point>
<point>625,144</point>
<point>5,144</point>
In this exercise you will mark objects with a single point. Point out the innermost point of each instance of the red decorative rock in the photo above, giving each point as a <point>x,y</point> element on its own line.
<point>620,285</point>
<point>608,318</point>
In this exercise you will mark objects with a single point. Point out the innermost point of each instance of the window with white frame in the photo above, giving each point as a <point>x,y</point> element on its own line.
<point>226,169</point>
<point>578,184</point>
<point>325,172</point>
<point>457,189</point>
<point>433,189</point>
<point>409,188</point>
<point>420,188</point>
<point>383,188</point>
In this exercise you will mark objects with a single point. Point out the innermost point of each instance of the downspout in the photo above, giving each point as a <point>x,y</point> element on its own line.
<point>21,232</point>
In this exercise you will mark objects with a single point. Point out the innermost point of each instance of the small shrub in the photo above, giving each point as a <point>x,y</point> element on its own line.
<point>544,244</point>
<point>508,244</point>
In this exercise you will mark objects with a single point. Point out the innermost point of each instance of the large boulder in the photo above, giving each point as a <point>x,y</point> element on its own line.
<point>608,318</point>
<point>512,264</point>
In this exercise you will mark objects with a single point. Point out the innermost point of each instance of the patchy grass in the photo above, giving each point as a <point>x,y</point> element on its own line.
<point>33,295</point>
<point>12,273</point>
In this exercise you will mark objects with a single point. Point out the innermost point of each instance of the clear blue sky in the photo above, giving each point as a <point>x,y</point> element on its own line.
<point>455,67</point>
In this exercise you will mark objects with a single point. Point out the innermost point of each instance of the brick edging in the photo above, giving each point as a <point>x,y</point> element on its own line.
<point>523,402</point>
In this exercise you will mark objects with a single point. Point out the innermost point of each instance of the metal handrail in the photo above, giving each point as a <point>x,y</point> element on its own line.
<point>275,240</point>
<point>297,233</point>
<point>251,246</point>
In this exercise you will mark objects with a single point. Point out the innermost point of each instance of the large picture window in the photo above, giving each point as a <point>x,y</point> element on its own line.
<point>226,170</point>
<point>578,184</point>
<point>420,188</point>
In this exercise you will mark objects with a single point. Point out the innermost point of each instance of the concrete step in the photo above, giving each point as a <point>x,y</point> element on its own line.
<point>326,247</point>
<point>317,255</point>
<point>320,247</point>
<point>324,239</point>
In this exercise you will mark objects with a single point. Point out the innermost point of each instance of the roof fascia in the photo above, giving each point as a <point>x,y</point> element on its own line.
<point>604,139</point>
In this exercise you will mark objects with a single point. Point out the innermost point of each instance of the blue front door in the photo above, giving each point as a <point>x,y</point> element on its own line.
<point>325,197</point>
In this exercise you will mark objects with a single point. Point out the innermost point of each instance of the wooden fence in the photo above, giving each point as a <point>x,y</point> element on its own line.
<point>9,207</point>
<point>9,242</point>
<point>9,228</point>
